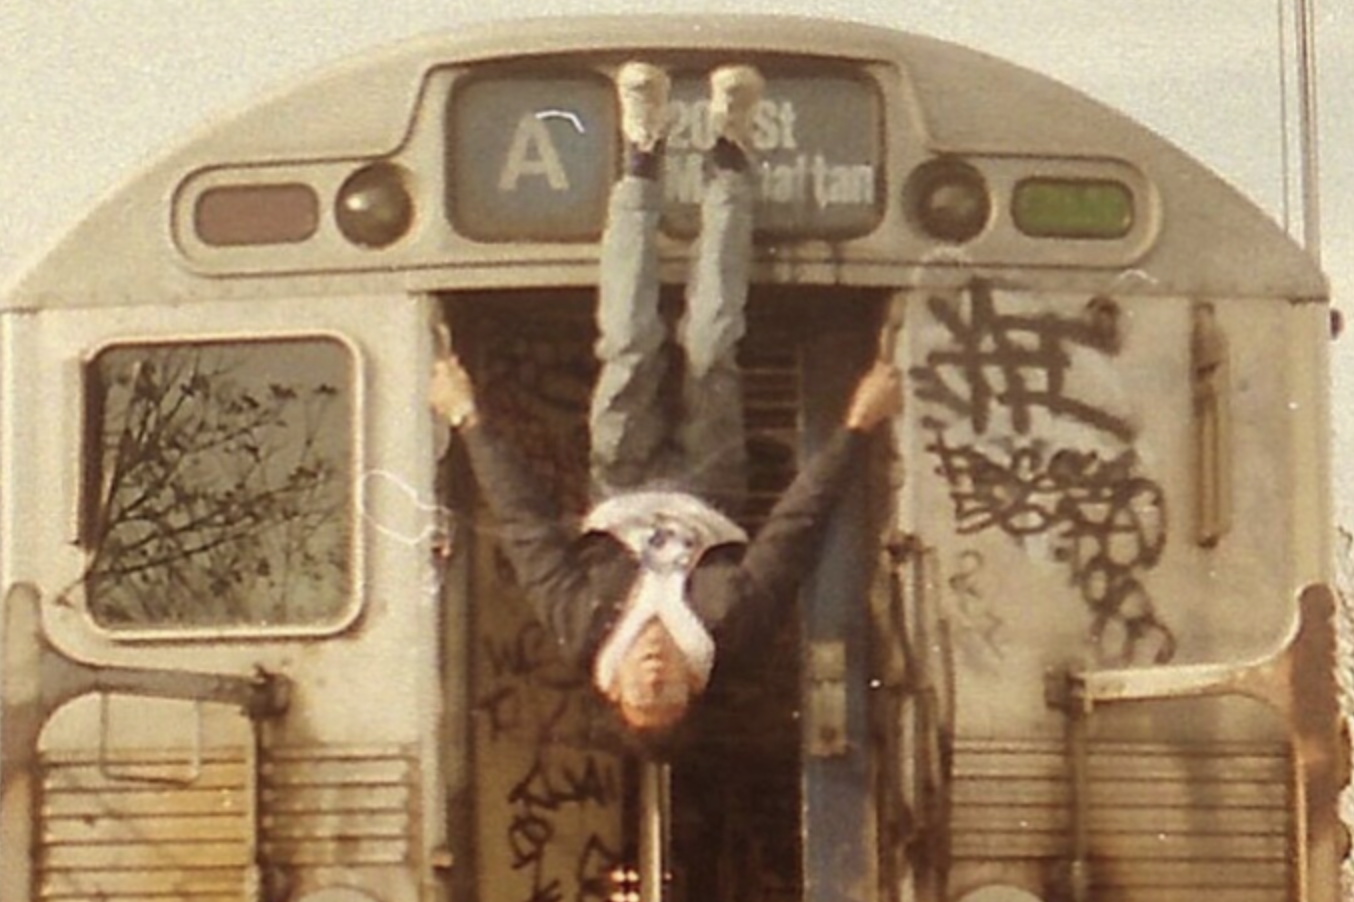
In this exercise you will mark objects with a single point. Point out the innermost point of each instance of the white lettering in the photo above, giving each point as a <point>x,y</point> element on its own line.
<point>532,154</point>
<point>773,126</point>
<point>786,183</point>
<point>787,125</point>
<point>766,126</point>
<point>690,123</point>
<point>842,185</point>
<point>803,179</point>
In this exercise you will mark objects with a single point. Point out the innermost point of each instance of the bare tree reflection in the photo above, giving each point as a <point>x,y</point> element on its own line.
<point>222,486</point>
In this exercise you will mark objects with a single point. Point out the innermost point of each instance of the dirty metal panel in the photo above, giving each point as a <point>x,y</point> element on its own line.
<point>1161,816</point>
<point>105,834</point>
<point>1109,481</point>
<point>549,800</point>
<point>349,806</point>
<point>202,885</point>
<point>548,782</point>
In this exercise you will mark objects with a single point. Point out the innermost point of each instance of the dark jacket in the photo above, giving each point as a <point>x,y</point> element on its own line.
<point>579,583</point>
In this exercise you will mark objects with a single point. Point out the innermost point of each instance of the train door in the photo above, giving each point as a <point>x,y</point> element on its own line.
<point>771,780</point>
<point>1103,485</point>
<point>209,498</point>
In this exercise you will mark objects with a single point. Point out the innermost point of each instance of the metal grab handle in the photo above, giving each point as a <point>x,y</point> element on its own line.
<point>1298,681</point>
<point>1211,387</point>
<point>892,327</point>
<point>37,678</point>
<point>122,775</point>
<point>655,812</point>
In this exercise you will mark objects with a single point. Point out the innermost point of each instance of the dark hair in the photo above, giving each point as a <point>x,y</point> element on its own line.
<point>660,743</point>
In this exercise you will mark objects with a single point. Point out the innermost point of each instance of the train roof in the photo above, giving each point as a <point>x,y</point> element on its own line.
<point>1207,237</point>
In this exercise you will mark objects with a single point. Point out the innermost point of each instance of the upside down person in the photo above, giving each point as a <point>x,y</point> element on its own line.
<point>657,580</point>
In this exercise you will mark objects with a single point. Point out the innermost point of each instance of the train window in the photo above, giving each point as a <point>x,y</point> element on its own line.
<point>217,492</point>
<point>1072,208</point>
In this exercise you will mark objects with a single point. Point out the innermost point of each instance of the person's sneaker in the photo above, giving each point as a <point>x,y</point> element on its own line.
<point>735,92</point>
<point>643,91</point>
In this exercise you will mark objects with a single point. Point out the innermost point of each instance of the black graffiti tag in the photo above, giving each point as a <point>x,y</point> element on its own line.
<point>540,797</point>
<point>978,625</point>
<point>533,697</point>
<point>563,791</point>
<point>1013,362</point>
<point>1107,521</point>
<point>526,676</point>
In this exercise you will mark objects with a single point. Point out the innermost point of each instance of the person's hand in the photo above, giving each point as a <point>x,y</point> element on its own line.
<point>878,397</point>
<point>452,394</point>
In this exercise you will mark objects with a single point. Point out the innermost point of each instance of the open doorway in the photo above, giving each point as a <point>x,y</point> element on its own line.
<point>555,786</point>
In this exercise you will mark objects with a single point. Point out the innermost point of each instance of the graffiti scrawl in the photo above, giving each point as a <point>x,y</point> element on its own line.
<point>977,624</point>
<point>1105,519</point>
<point>1108,524</point>
<point>1014,362</point>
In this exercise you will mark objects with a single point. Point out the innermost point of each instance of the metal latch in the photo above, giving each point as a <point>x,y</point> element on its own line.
<point>827,699</point>
<point>1211,384</point>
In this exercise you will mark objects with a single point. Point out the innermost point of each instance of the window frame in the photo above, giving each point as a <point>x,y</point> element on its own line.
<point>90,475</point>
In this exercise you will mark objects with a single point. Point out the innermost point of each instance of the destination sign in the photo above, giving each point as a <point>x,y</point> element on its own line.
<point>532,155</point>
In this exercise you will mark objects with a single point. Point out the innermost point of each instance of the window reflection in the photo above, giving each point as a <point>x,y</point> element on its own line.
<point>218,490</point>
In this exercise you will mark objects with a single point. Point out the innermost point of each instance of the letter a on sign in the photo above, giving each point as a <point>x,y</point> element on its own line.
<point>532,155</point>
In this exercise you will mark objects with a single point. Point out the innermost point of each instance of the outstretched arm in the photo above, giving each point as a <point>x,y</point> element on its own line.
<point>788,545</point>
<point>452,394</point>
<point>878,397</point>
<point>531,533</point>
<point>786,548</point>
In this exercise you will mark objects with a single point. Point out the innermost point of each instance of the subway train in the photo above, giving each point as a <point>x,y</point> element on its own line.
<point>1070,636</point>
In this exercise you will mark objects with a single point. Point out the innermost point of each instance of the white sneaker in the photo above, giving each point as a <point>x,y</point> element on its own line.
<point>643,91</point>
<point>735,92</point>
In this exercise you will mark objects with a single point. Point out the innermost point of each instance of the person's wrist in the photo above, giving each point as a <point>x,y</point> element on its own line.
<point>464,418</point>
<point>859,420</point>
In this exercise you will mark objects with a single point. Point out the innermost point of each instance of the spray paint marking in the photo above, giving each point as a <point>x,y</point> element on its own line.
<point>1107,521</point>
<point>1018,363</point>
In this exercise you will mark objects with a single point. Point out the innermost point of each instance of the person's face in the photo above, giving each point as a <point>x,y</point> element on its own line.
<point>653,686</point>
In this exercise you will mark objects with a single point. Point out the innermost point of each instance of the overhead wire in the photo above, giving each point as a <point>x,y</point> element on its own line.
<point>1307,88</point>
<point>1285,139</point>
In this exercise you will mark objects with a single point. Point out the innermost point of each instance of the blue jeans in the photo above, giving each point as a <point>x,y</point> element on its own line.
<point>632,440</point>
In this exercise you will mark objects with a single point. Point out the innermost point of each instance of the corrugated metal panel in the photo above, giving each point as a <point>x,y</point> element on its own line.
<point>107,835</point>
<point>205,885</point>
<point>340,806</point>
<point>110,838</point>
<point>1165,821</point>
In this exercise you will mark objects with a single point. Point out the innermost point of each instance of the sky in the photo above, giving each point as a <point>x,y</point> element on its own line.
<point>92,91</point>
